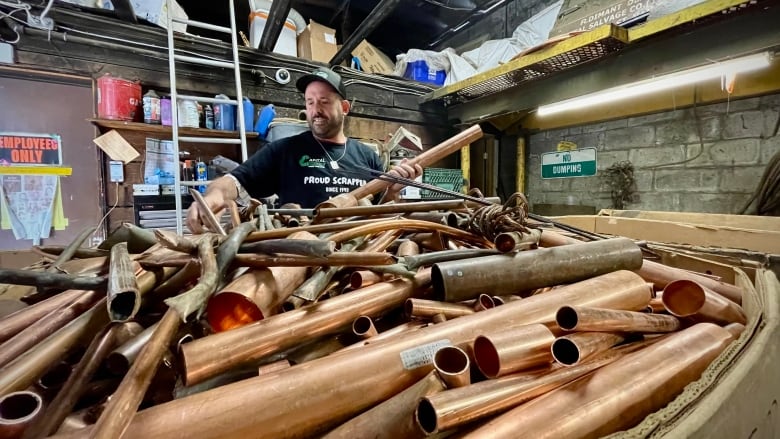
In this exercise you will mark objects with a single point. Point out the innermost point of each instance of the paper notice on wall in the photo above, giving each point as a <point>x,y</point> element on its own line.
<point>160,163</point>
<point>28,201</point>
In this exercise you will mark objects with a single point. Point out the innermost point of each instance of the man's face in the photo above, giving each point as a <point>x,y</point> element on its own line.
<point>324,110</point>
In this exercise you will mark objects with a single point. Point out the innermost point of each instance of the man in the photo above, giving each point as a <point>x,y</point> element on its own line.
<point>310,167</point>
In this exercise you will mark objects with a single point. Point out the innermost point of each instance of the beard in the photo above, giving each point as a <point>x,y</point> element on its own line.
<point>330,129</point>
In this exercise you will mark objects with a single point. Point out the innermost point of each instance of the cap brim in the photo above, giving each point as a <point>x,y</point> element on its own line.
<point>305,80</point>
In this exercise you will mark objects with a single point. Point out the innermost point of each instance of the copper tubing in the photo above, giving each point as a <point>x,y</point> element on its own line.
<point>577,318</point>
<point>363,327</point>
<point>685,298</point>
<point>515,241</point>
<point>424,159</point>
<point>50,323</point>
<point>72,390</point>
<point>223,351</point>
<point>429,308</point>
<point>17,411</point>
<point>407,248</point>
<point>364,278</point>
<point>454,281</point>
<point>507,298</point>
<point>572,349</point>
<point>504,352</point>
<point>123,404</point>
<point>335,388</point>
<point>124,299</point>
<point>407,225</point>
<point>403,327</point>
<point>618,395</point>
<point>735,329</point>
<point>337,259</point>
<point>119,360</point>
<point>391,208</point>
<point>305,247</point>
<point>392,419</point>
<point>55,280</point>
<point>276,366</point>
<point>657,305</point>
<point>314,229</point>
<point>210,220</point>
<point>424,259</point>
<point>484,302</point>
<point>453,366</point>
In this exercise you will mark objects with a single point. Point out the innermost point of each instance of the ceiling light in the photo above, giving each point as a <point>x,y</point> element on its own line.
<point>664,82</point>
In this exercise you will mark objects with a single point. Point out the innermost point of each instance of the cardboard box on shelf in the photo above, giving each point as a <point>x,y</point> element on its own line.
<point>317,42</point>
<point>372,60</point>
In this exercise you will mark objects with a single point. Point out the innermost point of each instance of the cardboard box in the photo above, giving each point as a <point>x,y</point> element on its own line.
<point>317,42</point>
<point>156,11</point>
<point>372,60</point>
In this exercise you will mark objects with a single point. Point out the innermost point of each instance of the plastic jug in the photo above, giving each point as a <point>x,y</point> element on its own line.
<point>267,114</point>
<point>249,114</point>
<point>224,115</point>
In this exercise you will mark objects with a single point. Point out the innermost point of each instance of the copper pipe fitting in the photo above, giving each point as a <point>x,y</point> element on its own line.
<point>685,298</point>
<point>429,308</point>
<point>512,350</point>
<point>17,411</point>
<point>578,318</point>
<point>363,327</point>
<point>453,366</point>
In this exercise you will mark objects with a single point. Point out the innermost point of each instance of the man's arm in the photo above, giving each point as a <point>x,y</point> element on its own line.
<point>405,170</point>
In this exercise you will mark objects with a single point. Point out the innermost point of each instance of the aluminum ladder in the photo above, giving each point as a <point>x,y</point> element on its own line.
<point>174,57</point>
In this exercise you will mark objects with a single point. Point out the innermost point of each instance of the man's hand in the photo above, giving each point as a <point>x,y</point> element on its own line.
<point>196,217</point>
<point>405,170</point>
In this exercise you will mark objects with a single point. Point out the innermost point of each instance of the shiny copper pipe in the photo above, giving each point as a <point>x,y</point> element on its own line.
<point>483,302</point>
<point>393,418</point>
<point>453,366</point>
<point>429,308</point>
<point>657,305</point>
<point>276,366</point>
<point>364,278</point>
<point>390,208</point>
<point>515,241</point>
<point>338,259</point>
<point>685,298</point>
<point>424,159</point>
<point>735,329</point>
<point>403,327</point>
<point>380,243</point>
<point>618,395</point>
<point>407,248</point>
<point>577,318</point>
<point>504,352</point>
<point>123,404</point>
<point>315,229</point>
<point>407,225</point>
<point>454,281</point>
<point>363,327</point>
<point>333,389</point>
<point>314,350</point>
<point>72,390</point>
<point>572,349</point>
<point>50,323</point>
<point>17,411</point>
<point>124,298</point>
<point>119,360</point>
<point>220,352</point>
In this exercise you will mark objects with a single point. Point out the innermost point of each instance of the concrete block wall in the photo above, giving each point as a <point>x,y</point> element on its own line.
<point>674,169</point>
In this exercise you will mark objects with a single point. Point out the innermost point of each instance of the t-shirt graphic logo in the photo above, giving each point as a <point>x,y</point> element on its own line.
<point>308,162</point>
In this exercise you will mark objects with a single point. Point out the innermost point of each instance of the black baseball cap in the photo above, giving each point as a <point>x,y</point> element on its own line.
<point>323,74</point>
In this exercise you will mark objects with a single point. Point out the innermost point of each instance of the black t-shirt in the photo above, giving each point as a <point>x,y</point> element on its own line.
<point>297,169</point>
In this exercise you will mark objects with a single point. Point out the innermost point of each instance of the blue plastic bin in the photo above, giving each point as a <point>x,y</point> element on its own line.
<point>419,71</point>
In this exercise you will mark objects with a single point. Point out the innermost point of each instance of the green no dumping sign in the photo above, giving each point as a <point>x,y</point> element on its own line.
<point>564,164</point>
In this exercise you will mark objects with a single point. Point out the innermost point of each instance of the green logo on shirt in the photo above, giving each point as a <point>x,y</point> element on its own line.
<point>308,162</point>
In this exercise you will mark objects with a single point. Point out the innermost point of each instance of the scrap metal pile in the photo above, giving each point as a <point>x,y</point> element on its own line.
<point>456,317</point>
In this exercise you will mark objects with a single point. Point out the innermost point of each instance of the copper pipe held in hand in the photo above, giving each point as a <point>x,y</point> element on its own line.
<point>363,327</point>
<point>428,308</point>
<point>124,298</point>
<point>572,349</point>
<point>460,280</point>
<point>578,318</point>
<point>17,411</point>
<point>211,221</point>
<point>685,298</point>
<point>504,352</point>
<point>453,366</point>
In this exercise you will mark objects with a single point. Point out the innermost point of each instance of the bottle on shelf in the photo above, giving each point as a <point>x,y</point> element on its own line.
<point>151,106</point>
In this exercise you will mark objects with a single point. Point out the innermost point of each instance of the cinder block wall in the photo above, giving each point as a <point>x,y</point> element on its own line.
<point>672,171</point>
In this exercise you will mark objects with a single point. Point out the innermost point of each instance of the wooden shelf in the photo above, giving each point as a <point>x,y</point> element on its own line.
<point>166,130</point>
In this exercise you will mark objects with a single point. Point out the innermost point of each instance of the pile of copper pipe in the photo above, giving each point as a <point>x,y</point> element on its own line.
<point>17,411</point>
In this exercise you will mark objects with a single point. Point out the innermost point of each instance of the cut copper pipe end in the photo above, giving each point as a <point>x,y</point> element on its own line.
<point>363,278</point>
<point>124,305</point>
<point>453,365</point>
<point>430,308</point>
<point>686,298</point>
<point>17,411</point>
<point>498,300</point>
<point>363,326</point>
<point>228,310</point>
<point>572,349</point>
<point>484,302</point>
<point>55,377</point>
<point>583,318</point>
<point>512,350</point>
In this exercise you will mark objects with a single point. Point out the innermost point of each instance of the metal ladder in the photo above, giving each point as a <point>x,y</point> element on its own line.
<point>173,57</point>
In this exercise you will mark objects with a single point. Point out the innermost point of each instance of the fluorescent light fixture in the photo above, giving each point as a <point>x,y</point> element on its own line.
<point>665,82</point>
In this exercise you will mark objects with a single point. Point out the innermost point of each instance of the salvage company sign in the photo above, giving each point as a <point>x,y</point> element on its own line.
<point>30,149</point>
<point>575,163</point>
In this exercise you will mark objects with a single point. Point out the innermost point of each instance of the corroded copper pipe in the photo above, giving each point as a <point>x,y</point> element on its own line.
<point>453,366</point>
<point>429,308</point>
<point>572,349</point>
<point>424,259</point>
<point>393,418</point>
<point>454,281</point>
<point>217,353</point>
<point>50,323</point>
<point>505,352</point>
<point>685,298</point>
<point>618,395</point>
<point>577,318</point>
<point>427,158</point>
<point>333,389</point>
<point>337,259</point>
<point>514,241</point>
<point>17,411</point>
<point>294,246</point>
<point>407,248</point>
<point>124,298</point>
<point>363,327</point>
<point>46,279</point>
<point>72,390</point>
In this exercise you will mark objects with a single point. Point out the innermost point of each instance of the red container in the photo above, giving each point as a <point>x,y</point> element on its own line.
<point>118,98</point>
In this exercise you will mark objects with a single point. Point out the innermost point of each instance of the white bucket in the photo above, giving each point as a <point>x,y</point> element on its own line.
<point>287,42</point>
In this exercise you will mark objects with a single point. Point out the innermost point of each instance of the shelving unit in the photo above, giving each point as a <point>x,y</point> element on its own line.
<point>151,129</point>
